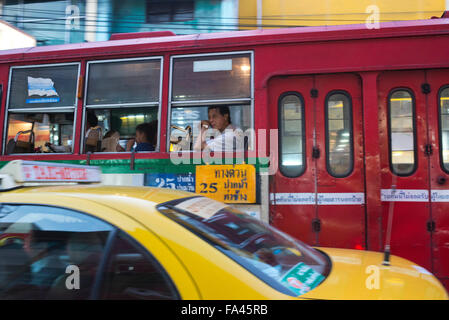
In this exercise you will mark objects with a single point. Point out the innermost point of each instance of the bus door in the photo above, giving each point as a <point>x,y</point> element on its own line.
<point>317,194</point>
<point>438,119</point>
<point>405,160</point>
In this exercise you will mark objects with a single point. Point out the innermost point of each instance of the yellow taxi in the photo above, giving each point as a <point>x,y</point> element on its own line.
<point>88,241</point>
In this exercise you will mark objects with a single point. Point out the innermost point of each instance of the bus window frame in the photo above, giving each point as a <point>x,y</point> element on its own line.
<point>303,132</point>
<point>55,110</point>
<point>440,128</point>
<point>157,104</point>
<point>326,132</point>
<point>415,148</point>
<point>209,102</point>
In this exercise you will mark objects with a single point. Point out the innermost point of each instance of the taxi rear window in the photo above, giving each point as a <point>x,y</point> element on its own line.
<point>282,262</point>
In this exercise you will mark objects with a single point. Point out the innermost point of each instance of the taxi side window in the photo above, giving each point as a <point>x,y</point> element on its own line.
<point>49,252</point>
<point>132,274</point>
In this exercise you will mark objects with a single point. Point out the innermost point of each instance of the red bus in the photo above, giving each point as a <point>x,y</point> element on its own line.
<point>350,124</point>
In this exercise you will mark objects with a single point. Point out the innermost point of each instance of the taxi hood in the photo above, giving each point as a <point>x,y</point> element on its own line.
<point>360,275</point>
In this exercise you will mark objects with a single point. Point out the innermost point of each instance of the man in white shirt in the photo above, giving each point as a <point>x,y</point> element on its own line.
<point>228,139</point>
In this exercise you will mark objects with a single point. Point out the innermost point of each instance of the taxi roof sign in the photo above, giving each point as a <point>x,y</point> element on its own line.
<point>20,172</point>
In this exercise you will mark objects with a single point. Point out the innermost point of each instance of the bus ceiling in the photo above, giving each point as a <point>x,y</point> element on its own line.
<point>138,35</point>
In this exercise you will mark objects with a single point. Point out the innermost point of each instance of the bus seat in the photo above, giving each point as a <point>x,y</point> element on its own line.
<point>19,147</point>
<point>10,146</point>
<point>93,140</point>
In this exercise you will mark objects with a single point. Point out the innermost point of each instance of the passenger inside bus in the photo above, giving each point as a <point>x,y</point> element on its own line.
<point>58,149</point>
<point>145,139</point>
<point>119,126</point>
<point>228,137</point>
<point>93,134</point>
<point>111,142</point>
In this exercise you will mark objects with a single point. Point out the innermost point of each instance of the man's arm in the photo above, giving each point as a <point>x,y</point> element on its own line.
<point>200,142</point>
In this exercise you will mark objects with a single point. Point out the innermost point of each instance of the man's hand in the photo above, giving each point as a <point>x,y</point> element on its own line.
<point>200,142</point>
<point>50,146</point>
<point>205,125</point>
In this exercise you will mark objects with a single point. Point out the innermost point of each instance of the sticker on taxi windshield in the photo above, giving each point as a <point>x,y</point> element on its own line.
<point>203,207</point>
<point>301,279</point>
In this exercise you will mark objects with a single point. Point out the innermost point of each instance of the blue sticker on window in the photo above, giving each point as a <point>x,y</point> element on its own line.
<point>42,87</point>
<point>185,182</point>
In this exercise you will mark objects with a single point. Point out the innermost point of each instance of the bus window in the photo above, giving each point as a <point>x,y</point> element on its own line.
<point>215,89</point>
<point>444,127</point>
<point>41,107</point>
<point>339,138</point>
<point>121,95</point>
<point>211,77</point>
<point>183,119</point>
<point>292,138</point>
<point>40,132</point>
<point>402,132</point>
<point>115,129</point>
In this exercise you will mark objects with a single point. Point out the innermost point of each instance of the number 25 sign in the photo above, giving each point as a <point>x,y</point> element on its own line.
<point>227,183</point>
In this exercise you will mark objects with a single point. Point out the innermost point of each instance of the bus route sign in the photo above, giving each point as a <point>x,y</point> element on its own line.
<point>227,183</point>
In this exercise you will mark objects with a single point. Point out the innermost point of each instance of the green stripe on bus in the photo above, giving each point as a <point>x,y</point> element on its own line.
<point>121,166</point>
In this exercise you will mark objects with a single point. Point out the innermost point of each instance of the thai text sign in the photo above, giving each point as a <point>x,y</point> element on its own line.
<point>227,183</point>
<point>33,171</point>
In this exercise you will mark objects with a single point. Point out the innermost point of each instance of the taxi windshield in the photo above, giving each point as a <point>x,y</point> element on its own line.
<point>282,262</point>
